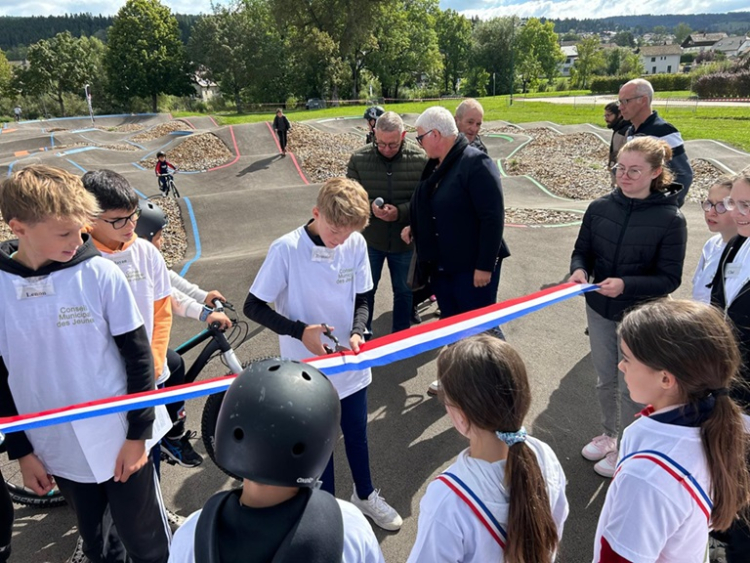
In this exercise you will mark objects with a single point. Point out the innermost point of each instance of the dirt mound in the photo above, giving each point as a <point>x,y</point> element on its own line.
<point>196,153</point>
<point>322,155</point>
<point>704,176</point>
<point>531,217</point>
<point>160,131</point>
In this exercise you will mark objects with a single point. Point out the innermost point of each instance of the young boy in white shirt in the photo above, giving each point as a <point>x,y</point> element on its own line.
<point>144,266</point>
<point>76,336</point>
<point>276,430</point>
<point>319,273</point>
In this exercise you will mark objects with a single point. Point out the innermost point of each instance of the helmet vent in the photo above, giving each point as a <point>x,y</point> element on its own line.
<point>239,434</point>
<point>274,367</point>
<point>298,449</point>
<point>306,376</point>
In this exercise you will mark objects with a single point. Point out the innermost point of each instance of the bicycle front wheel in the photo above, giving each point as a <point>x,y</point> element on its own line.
<point>208,428</point>
<point>173,190</point>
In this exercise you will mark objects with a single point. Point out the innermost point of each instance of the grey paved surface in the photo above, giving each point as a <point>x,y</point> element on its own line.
<point>241,208</point>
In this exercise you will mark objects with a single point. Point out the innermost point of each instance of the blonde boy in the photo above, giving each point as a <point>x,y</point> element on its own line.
<point>76,336</point>
<point>319,273</point>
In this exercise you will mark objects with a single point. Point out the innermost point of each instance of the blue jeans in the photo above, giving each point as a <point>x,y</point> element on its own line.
<point>354,428</point>
<point>398,265</point>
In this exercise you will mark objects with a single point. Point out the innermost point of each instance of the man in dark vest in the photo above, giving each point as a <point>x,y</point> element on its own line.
<point>389,170</point>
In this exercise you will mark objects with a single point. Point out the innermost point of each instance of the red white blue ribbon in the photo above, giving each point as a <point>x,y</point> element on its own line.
<point>377,352</point>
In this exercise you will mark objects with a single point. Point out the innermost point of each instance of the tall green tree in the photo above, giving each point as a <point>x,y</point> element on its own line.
<point>62,64</point>
<point>239,48</point>
<point>344,25</point>
<point>6,76</point>
<point>537,52</point>
<point>590,60</point>
<point>145,56</point>
<point>408,50</point>
<point>622,62</point>
<point>454,40</point>
<point>492,46</point>
<point>624,39</point>
<point>681,32</point>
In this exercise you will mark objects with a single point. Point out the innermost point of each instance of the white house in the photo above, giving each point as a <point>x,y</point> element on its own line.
<point>571,54</point>
<point>699,42</point>
<point>661,59</point>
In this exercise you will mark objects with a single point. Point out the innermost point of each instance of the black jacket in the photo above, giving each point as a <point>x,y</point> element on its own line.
<point>393,179</point>
<point>739,313</point>
<point>457,212</point>
<point>641,241</point>
<point>281,123</point>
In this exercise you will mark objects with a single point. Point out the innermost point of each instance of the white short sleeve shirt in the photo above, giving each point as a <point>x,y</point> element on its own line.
<point>57,343</point>
<point>648,515</point>
<point>706,270</point>
<point>449,530</point>
<point>314,284</point>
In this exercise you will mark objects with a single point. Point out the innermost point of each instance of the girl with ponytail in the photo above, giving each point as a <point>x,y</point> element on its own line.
<point>682,467</point>
<point>504,497</point>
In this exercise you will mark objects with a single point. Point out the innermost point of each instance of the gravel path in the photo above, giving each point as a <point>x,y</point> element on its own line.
<point>160,131</point>
<point>537,217</point>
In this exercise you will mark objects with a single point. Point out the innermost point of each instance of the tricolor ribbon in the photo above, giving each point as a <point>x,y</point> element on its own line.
<point>377,352</point>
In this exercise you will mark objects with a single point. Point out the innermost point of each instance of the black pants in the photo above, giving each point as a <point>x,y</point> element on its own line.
<point>176,410</point>
<point>6,520</point>
<point>137,512</point>
<point>282,139</point>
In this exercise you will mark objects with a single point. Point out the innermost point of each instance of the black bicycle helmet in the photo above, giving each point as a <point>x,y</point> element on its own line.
<point>373,112</point>
<point>160,154</point>
<point>151,221</point>
<point>278,424</point>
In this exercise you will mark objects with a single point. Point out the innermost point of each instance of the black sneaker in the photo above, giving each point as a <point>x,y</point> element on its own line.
<point>180,451</point>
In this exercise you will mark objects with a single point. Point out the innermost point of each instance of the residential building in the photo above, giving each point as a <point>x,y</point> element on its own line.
<point>571,54</point>
<point>661,59</point>
<point>732,46</point>
<point>699,42</point>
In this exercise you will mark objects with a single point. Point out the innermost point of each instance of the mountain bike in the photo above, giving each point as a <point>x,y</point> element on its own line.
<point>171,188</point>
<point>219,345</point>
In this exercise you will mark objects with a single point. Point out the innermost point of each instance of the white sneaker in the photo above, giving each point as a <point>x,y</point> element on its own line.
<point>606,467</point>
<point>433,388</point>
<point>382,513</point>
<point>599,447</point>
<point>175,520</point>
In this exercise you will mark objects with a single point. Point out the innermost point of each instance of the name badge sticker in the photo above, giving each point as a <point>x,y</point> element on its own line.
<point>732,270</point>
<point>323,254</point>
<point>37,286</point>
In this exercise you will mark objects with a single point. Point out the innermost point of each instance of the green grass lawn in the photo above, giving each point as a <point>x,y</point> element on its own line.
<point>726,124</point>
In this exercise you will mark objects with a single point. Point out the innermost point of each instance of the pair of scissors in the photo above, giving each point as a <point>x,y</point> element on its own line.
<point>337,346</point>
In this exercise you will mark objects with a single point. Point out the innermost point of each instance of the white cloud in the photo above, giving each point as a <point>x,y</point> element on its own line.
<point>600,8</point>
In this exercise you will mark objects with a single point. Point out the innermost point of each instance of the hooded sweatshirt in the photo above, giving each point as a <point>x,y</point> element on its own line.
<point>72,333</point>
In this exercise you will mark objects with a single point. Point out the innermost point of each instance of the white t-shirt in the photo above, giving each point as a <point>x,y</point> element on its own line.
<point>315,285</point>
<point>148,276</point>
<point>59,349</point>
<point>360,543</point>
<point>706,270</point>
<point>648,515</point>
<point>737,274</point>
<point>450,531</point>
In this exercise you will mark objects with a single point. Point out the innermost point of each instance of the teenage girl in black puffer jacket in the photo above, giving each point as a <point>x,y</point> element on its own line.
<point>632,244</point>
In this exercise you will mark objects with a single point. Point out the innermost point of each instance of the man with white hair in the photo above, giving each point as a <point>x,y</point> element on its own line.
<point>389,169</point>
<point>635,100</point>
<point>457,218</point>
<point>469,116</point>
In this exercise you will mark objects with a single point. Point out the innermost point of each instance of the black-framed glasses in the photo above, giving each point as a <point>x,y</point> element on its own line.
<point>422,136</point>
<point>120,222</point>
<point>632,173</point>
<point>626,100</point>
<point>391,146</point>
<point>707,205</point>
<point>742,206</point>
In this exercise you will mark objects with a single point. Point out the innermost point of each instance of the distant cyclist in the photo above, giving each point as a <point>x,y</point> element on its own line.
<point>371,116</point>
<point>164,170</point>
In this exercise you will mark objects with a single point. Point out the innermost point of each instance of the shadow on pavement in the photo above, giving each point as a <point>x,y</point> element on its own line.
<point>262,164</point>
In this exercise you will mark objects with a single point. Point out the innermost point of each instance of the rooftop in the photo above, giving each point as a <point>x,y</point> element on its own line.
<point>660,50</point>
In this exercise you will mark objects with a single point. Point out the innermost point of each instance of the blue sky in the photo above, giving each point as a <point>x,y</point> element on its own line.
<point>482,8</point>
